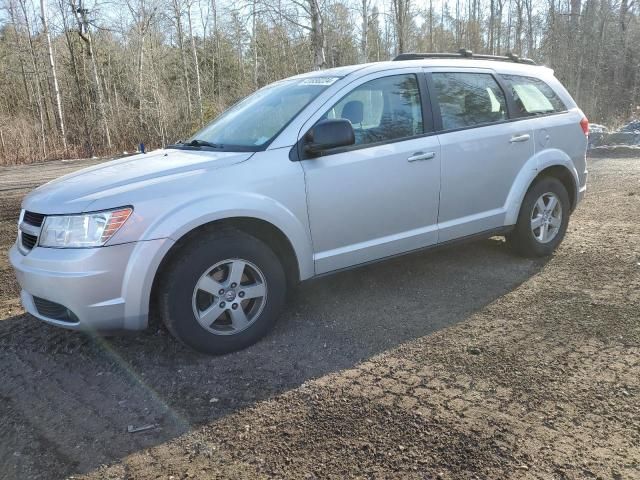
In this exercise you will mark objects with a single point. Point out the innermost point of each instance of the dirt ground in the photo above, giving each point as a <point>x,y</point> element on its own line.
<point>463,363</point>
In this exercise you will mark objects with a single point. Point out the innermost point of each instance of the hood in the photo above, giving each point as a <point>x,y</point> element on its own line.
<point>75,192</point>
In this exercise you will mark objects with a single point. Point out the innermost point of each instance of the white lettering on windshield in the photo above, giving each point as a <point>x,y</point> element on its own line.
<point>319,81</point>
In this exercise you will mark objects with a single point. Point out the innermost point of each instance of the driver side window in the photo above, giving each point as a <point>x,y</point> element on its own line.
<point>381,110</point>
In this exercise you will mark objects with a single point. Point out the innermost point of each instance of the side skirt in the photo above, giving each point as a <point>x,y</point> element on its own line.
<point>449,243</point>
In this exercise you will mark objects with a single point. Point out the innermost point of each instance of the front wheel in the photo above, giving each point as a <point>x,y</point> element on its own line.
<point>222,292</point>
<point>543,219</point>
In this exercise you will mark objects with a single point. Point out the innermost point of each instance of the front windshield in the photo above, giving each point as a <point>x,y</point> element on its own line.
<point>255,121</point>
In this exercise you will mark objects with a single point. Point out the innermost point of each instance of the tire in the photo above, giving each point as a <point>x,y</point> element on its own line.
<point>210,262</point>
<point>532,242</point>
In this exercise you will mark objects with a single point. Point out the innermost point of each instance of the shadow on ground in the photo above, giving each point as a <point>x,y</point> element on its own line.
<point>68,398</point>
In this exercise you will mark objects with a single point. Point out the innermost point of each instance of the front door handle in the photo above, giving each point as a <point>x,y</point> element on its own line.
<point>421,156</point>
<point>520,138</point>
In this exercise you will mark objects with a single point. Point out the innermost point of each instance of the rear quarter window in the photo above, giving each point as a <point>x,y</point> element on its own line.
<point>532,96</point>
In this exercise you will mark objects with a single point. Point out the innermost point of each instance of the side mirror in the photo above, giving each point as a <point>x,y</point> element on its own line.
<point>329,134</point>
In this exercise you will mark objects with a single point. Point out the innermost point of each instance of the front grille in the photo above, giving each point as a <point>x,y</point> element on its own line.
<point>32,218</point>
<point>28,240</point>
<point>54,310</point>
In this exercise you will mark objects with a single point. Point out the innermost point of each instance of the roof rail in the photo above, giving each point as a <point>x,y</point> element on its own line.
<point>463,53</point>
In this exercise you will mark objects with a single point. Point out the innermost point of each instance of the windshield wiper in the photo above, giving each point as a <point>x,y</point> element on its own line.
<point>196,143</point>
<point>202,143</point>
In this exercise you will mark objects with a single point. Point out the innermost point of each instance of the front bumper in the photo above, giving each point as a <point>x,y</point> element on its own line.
<point>105,288</point>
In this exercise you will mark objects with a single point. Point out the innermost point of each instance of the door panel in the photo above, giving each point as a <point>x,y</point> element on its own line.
<point>479,166</point>
<point>379,197</point>
<point>482,152</point>
<point>373,202</point>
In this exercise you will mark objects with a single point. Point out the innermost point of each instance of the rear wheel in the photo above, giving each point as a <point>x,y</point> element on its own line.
<point>543,219</point>
<point>222,292</point>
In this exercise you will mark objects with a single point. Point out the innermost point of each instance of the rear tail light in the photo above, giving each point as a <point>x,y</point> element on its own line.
<point>584,124</point>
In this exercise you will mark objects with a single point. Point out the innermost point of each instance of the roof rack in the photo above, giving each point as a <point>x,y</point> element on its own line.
<point>464,53</point>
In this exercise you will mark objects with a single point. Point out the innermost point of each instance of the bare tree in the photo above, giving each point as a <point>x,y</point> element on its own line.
<point>143,14</point>
<point>311,21</point>
<point>177,11</point>
<point>196,65</point>
<point>402,18</point>
<point>85,34</point>
<point>318,39</point>
<point>365,7</point>
<point>52,72</point>
<point>157,69</point>
<point>34,65</point>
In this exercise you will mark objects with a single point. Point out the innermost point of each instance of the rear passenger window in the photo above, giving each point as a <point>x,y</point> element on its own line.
<point>532,96</point>
<point>381,110</point>
<point>468,99</point>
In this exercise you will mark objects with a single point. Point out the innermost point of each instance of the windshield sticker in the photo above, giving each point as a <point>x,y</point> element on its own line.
<point>319,81</point>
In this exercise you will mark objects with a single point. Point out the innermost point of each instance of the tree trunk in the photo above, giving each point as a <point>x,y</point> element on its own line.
<point>519,23</point>
<point>509,27</point>
<point>318,40</point>
<point>156,97</point>
<point>38,93</point>
<point>530,35</point>
<point>194,52</point>
<point>576,7</point>
<point>499,27</point>
<point>490,40</point>
<point>85,34</point>
<point>140,85</point>
<point>214,50</point>
<point>185,75</point>
<point>4,149</point>
<point>18,47</point>
<point>364,43</point>
<point>401,17</point>
<point>81,93</point>
<point>431,25</point>
<point>53,73</point>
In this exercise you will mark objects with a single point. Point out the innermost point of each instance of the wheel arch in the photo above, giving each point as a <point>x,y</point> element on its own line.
<point>548,163</point>
<point>563,174</point>
<point>263,230</point>
<point>284,229</point>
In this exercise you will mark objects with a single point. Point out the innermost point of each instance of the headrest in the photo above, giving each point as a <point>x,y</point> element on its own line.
<point>353,111</point>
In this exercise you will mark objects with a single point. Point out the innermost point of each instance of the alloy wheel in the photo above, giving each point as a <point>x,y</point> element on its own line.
<point>229,297</point>
<point>546,217</point>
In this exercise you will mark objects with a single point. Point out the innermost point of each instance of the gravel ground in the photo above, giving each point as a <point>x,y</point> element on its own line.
<point>463,363</point>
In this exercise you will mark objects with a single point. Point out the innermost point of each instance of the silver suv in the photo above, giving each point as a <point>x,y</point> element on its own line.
<point>310,175</point>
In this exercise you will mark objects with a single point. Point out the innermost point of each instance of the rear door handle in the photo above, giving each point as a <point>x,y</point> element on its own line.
<point>416,157</point>
<point>520,138</point>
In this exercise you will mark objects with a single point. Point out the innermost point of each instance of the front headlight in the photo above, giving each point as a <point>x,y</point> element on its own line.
<point>83,230</point>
